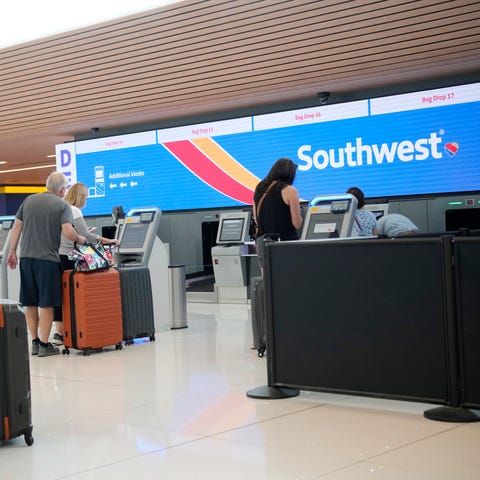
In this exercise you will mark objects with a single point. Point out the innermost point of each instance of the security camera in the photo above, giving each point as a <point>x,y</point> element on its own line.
<point>323,97</point>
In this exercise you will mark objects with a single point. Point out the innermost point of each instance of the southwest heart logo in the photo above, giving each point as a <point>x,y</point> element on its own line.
<point>451,148</point>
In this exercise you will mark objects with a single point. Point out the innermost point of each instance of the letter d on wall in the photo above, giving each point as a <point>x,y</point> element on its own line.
<point>66,161</point>
<point>65,158</point>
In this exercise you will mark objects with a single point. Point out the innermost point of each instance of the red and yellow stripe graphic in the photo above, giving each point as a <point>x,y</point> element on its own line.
<point>216,167</point>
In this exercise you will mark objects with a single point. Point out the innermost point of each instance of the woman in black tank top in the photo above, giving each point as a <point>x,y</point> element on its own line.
<point>276,205</point>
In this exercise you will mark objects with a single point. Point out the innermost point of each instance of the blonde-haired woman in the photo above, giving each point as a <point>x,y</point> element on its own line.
<point>76,196</point>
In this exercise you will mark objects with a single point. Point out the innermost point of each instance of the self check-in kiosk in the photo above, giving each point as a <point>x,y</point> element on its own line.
<point>9,279</point>
<point>229,257</point>
<point>329,216</point>
<point>137,234</point>
<point>140,246</point>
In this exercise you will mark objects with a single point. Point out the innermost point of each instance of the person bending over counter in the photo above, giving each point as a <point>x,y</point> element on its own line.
<point>276,205</point>
<point>396,225</point>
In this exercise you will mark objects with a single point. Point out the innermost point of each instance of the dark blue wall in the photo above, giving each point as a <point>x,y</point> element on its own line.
<point>9,202</point>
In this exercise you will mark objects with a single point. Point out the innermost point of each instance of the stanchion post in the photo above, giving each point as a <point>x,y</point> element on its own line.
<point>270,391</point>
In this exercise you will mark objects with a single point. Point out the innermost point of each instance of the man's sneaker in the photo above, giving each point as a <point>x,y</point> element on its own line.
<point>58,337</point>
<point>35,347</point>
<point>48,350</point>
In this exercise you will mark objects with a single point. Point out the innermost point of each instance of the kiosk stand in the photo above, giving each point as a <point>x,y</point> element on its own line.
<point>330,216</point>
<point>229,257</point>
<point>9,279</point>
<point>140,246</point>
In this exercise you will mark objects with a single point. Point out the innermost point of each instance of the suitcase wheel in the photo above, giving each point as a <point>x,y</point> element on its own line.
<point>66,351</point>
<point>119,346</point>
<point>28,439</point>
<point>261,352</point>
<point>152,338</point>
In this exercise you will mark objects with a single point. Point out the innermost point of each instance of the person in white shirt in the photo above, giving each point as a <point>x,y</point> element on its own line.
<point>365,222</point>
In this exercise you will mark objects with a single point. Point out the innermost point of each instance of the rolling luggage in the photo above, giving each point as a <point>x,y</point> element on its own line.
<point>15,400</point>
<point>92,310</point>
<point>137,303</point>
<point>258,312</point>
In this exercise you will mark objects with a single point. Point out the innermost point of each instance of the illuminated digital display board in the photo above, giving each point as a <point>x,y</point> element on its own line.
<point>410,144</point>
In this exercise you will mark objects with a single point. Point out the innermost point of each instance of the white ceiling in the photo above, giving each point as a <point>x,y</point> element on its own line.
<point>49,17</point>
<point>198,57</point>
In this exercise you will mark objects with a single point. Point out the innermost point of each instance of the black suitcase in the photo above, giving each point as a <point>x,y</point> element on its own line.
<point>15,399</point>
<point>258,312</point>
<point>137,303</point>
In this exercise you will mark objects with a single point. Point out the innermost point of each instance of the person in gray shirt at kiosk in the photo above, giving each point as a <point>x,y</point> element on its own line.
<point>40,220</point>
<point>396,225</point>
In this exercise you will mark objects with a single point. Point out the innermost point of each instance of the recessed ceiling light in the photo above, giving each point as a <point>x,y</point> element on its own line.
<point>27,168</point>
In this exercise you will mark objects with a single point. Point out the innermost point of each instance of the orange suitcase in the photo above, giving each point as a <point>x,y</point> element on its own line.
<point>92,310</point>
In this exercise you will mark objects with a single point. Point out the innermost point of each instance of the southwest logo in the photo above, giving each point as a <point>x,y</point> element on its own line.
<point>451,148</point>
<point>356,153</point>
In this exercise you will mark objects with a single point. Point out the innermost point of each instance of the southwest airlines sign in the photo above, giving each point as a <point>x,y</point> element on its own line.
<point>417,143</point>
<point>355,154</point>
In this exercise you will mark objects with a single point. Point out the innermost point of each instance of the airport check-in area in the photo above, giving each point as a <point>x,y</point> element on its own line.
<point>413,324</point>
<point>306,325</point>
<point>177,114</point>
<point>404,311</point>
<point>221,260</point>
<point>320,308</point>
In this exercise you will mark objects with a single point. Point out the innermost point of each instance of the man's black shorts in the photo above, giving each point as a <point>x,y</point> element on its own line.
<point>40,283</point>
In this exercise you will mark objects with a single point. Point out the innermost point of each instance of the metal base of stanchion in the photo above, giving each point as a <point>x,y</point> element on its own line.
<point>178,328</point>
<point>272,393</point>
<point>451,414</point>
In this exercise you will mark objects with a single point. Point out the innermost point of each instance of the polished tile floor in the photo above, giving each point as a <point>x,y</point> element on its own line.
<point>176,409</point>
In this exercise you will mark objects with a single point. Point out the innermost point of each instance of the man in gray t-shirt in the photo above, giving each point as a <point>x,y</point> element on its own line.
<point>40,221</point>
<point>395,225</point>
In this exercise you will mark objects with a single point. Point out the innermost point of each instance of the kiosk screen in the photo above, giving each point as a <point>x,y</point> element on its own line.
<point>133,237</point>
<point>232,230</point>
<point>323,225</point>
<point>233,227</point>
